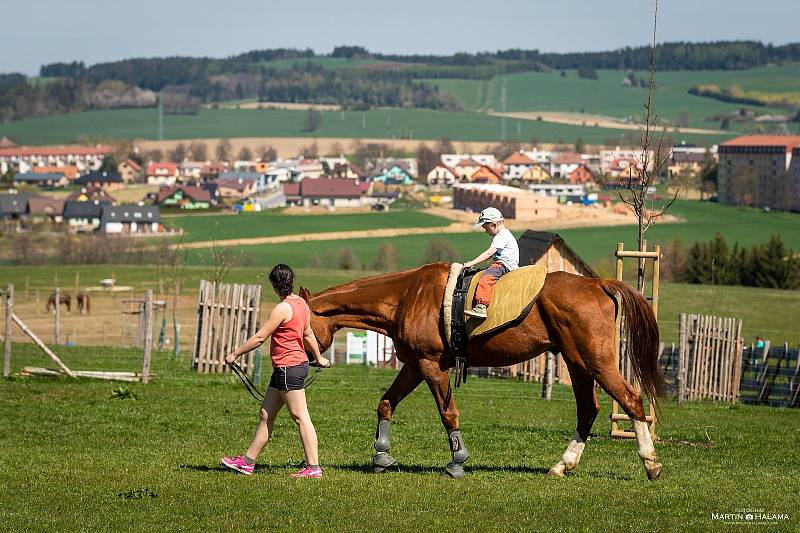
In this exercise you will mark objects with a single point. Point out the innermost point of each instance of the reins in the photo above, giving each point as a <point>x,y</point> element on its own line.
<point>253,389</point>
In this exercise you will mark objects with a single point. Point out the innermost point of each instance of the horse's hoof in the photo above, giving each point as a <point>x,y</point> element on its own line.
<point>381,461</point>
<point>553,472</point>
<point>454,470</point>
<point>653,472</point>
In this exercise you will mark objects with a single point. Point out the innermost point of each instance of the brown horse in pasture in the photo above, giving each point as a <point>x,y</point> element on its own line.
<point>572,315</point>
<point>63,298</point>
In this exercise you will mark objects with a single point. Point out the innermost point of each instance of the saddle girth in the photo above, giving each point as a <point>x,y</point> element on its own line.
<point>458,326</point>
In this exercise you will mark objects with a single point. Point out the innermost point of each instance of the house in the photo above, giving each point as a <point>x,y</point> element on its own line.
<point>235,188</point>
<point>130,219</point>
<point>396,175</point>
<point>100,180</point>
<point>45,209</point>
<point>550,250</point>
<point>130,171</point>
<point>164,173</point>
<point>536,174</point>
<point>442,175</point>
<point>69,172</point>
<point>511,201</point>
<point>486,175</point>
<point>624,168</point>
<point>347,170</point>
<point>13,207</point>
<point>90,194</point>
<point>516,165</point>
<point>612,161</point>
<point>183,196</point>
<point>24,158</point>
<point>45,181</point>
<point>451,160</point>
<point>466,168</point>
<point>191,169</point>
<point>331,192</point>
<point>563,164</point>
<point>310,168</point>
<point>83,216</point>
<point>5,142</point>
<point>576,190</point>
<point>211,171</point>
<point>581,175</point>
<point>761,170</point>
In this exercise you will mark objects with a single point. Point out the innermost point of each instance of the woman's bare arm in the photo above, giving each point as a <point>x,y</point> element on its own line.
<point>278,314</point>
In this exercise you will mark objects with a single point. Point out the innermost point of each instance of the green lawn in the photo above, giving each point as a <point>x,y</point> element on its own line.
<point>549,91</point>
<point>377,123</point>
<point>74,458</point>
<point>271,224</point>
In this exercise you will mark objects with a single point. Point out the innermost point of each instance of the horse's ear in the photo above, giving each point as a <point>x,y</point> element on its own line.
<point>304,294</point>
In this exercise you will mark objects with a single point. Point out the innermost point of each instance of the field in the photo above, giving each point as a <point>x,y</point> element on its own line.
<point>270,224</point>
<point>543,91</point>
<point>701,221</point>
<point>75,458</point>
<point>378,123</point>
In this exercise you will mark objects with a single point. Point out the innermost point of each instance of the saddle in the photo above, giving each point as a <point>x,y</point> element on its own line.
<point>514,295</point>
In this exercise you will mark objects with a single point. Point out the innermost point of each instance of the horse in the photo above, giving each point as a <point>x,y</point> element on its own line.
<point>573,315</point>
<point>64,298</point>
<point>84,303</point>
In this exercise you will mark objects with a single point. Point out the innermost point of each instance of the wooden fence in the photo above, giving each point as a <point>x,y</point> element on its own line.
<point>227,314</point>
<point>709,358</point>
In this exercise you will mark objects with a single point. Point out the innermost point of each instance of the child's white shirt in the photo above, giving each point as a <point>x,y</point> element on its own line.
<point>507,249</point>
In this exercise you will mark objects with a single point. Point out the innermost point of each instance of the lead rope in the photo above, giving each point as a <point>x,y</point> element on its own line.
<point>253,390</point>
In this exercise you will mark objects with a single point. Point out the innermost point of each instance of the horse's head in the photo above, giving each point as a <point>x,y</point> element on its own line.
<point>322,327</point>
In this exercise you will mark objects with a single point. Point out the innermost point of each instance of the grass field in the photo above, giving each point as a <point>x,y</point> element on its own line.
<point>270,224</point>
<point>549,91</point>
<point>377,123</point>
<point>77,459</point>
<point>701,221</point>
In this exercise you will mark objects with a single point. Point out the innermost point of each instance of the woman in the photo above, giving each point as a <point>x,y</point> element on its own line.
<point>289,327</point>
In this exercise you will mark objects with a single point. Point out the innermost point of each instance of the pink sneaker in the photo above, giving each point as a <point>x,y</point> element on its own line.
<point>239,464</point>
<point>307,471</point>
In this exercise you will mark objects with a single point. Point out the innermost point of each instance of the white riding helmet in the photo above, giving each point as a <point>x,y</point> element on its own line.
<point>490,214</point>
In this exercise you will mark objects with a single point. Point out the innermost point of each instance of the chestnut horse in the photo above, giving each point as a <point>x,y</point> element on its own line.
<point>572,315</point>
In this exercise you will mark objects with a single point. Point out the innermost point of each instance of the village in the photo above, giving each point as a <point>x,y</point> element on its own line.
<point>71,187</point>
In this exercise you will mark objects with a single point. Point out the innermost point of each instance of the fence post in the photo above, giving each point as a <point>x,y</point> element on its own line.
<point>57,332</point>
<point>547,381</point>
<point>680,376</point>
<point>257,366</point>
<point>7,330</point>
<point>148,334</point>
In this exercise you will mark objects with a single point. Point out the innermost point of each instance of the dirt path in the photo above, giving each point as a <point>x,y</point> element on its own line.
<point>455,227</point>
<point>598,121</point>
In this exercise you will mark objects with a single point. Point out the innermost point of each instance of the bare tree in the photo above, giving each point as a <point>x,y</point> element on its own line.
<point>198,151</point>
<point>652,162</point>
<point>222,261</point>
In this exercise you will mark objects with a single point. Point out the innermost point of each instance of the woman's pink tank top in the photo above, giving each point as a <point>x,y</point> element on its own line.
<point>286,346</point>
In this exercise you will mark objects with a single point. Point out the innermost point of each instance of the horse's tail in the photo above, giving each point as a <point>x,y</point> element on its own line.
<point>642,337</point>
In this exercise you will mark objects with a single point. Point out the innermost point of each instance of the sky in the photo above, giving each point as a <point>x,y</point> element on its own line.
<point>37,32</point>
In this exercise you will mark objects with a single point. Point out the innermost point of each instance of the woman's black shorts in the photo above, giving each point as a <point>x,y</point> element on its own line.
<point>289,377</point>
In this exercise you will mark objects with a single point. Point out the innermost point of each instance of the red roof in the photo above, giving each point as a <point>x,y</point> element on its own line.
<point>133,164</point>
<point>5,142</point>
<point>568,158</point>
<point>787,141</point>
<point>237,184</point>
<point>291,189</point>
<point>518,158</point>
<point>327,187</point>
<point>70,172</point>
<point>195,193</point>
<point>154,169</point>
<point>55,151</point>
<point>468,162</point>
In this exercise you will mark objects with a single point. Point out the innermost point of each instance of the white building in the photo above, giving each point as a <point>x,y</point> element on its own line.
<point>24,159</point>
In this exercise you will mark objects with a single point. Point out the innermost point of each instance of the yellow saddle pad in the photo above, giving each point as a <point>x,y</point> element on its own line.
<point>513,296</point>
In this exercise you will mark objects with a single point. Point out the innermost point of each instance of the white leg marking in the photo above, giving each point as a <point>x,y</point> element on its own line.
<point>644,441</point>
<point>571,457</point>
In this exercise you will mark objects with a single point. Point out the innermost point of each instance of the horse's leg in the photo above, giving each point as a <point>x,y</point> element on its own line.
<point>631,402</point>
<point>406,381</point>
<point>587,409</point>
<point>438,381</point>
